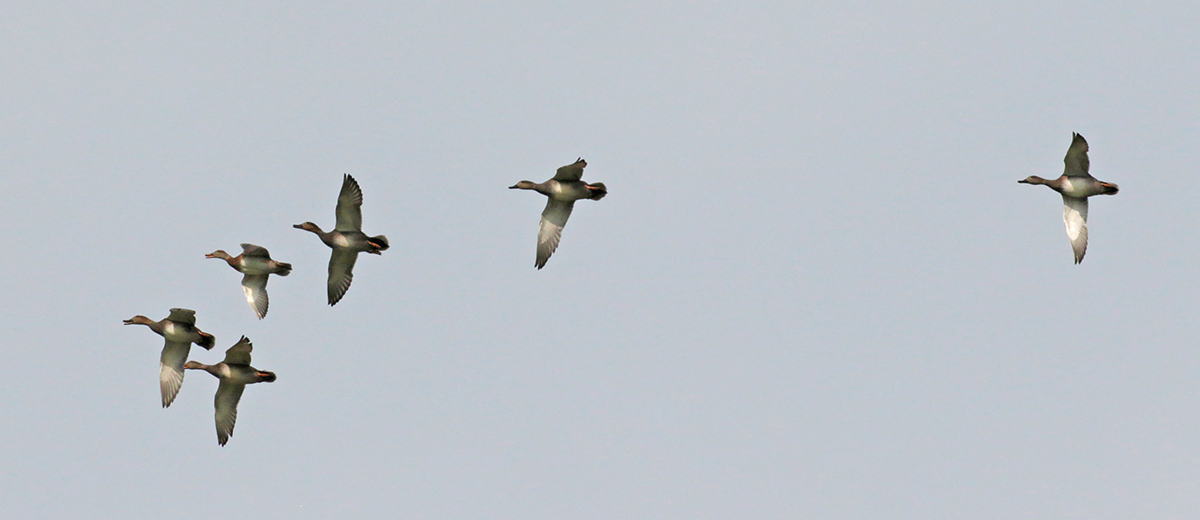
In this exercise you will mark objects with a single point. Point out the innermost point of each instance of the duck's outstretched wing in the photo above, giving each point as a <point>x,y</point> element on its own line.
<point>554,217</point>
<point>239,353</point>
<point>170,370</point>
<point>349,206</point>
<point>571,172</point>
<point>1075,211</point>
<point>341,266</point>
<point>253,250</point>
<point>1077,158</point>
<point>226,401</point>
<point>185,316</point>
<point>255,286</point>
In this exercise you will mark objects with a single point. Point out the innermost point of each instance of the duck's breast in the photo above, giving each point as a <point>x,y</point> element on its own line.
<point>177,332</point>
<point>340,240</point>
<point>568,191</point>
<point>1071,188</point>
<point>225,371</point>
<point>256,265</point>
<point>1081,187</point>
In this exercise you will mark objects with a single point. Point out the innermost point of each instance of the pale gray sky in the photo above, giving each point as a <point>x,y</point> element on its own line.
<point>815,289</point>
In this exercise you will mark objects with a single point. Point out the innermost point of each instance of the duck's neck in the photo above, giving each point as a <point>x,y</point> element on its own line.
<point>1054,184</point>
<point>142,320</point>
<point>309,226</point>
<point>231,260</point>
<point>542,188</point>
<point>196,365</point>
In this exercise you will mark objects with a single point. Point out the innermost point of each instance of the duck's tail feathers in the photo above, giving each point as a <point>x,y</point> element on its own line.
<point>378,242</point>
<point>206,340</point>
<point>283,268</point>
<point>598,191</point>
<point>1109,188</point>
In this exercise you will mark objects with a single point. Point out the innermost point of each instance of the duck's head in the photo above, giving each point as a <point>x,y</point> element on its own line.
<point>264,376</point>
<point>1032,179</point>
<point>524,185</point>
<point>193,365</point>
<point>220,253</point>
<point>308,226</point>
<point>138,320</point>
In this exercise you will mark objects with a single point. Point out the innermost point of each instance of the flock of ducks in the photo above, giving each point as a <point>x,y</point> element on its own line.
<point>347,240</point>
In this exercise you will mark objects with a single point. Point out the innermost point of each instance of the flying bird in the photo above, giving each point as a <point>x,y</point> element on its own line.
<point>234,373</point>
<point>563,190</point>
<point>1076,185</point>
<point>179,330</point>
<point>256,264</point>
<point>346,239</point>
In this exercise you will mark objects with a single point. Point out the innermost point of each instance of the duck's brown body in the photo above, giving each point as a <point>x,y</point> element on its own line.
<point>256,264</point>
<point>563,190</point>
<point>234,374</point>
<point>179,330</point>
<point>1076,185</point>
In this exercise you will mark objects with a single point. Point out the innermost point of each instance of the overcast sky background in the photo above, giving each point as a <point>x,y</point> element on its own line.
<point>815,289</point>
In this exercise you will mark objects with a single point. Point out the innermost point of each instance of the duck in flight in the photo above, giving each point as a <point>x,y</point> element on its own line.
<point>347,239</point>
<point>563,190</point>
<point>256,264</point>
<point>1076,185</point>
<point>235,373</point>
<point>179,330</point>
